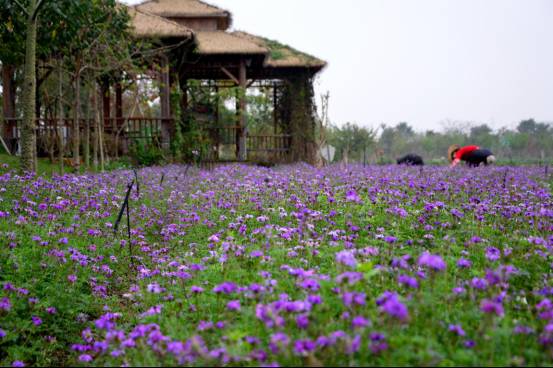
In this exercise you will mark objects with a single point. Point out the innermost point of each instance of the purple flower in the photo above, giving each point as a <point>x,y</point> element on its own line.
<point>278,341</point>
<point>233,305</point>
<point>196,289</point>
<point>457,329</point>
<point>2,333</point>
<point>359,322</point>
<point>205,325</point>
<point>214,238</point>
<point>302,321</point>
<point>493,254</point>
<point>350,299</point>
<point>85,358</point>
<point>408,281</point>
<point>314,299</point>
<point>256,254</point>
<point>377,343</point>
<point>353,346</point>
<point>352,196</point>
<point>523,330</point>
<point>432,261</point>
<point>346,258</point>
<point>492,307</point>
<point>464,263</point>
<point>391,305</point>
<point>310,284</point>
<point>479,284</point>
<point>154,288</point>
<point>72,278</point>
<point>225,288</point>
<point>18,363</point>
<point>304,347</point>
<point>36,320</point>
<point>5,304</point>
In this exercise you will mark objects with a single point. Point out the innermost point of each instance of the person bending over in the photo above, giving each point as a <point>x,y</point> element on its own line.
<point>472,155</point>
<point>410,159</point>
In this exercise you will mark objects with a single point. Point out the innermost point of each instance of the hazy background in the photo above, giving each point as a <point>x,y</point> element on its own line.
<point>425,62</point>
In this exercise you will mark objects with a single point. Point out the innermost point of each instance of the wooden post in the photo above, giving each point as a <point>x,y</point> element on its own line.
<point>119,104</point>
<point>184,98</point>
<point>106,102</point>
<point>217,126</point>
<point>8,97</point>
<point>275,116</point>
<point>164,99</point>
<point>242,154</point>
<point>120,144</point>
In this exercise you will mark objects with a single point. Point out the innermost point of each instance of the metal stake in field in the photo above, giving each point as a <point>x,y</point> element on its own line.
<point>124,206</point>
<point>137,182</point>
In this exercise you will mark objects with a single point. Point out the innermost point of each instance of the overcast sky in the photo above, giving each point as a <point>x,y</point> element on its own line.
<point>424,61</point>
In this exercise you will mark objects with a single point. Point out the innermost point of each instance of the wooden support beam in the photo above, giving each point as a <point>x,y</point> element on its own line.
<point>8,98</point>
<point>118,104</point>
<point>106,101</point>
<point>275,102</point>
<point>242,154</point>
<point>230,75</point>
<point>165,101</point>
<point>164,88</point>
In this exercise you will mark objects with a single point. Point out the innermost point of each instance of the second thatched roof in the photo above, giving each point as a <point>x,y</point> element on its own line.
<point>224,43</point>
<point>280,55</point>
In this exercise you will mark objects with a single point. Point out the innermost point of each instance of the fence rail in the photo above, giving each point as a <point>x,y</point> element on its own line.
<point>125,131</point>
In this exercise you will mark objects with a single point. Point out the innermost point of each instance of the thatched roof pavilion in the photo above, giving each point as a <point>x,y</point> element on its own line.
<point>216,54</point>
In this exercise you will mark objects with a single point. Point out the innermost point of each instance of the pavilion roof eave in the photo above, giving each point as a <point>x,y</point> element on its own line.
<point>183,9</point>
<point>260,72</point>
<point>147,26</point>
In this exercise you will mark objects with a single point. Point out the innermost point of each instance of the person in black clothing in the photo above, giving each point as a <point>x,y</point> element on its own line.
<point>410,159</point>
<point>472,155</point>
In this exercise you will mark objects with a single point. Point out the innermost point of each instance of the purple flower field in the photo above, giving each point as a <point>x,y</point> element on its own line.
<point>249,266</point>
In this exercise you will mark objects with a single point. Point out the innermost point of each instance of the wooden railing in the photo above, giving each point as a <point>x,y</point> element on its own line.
<point>264,147</point>
<point>125,131</point>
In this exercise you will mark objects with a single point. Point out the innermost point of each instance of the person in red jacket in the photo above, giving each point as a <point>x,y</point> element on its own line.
<point>472,155</point>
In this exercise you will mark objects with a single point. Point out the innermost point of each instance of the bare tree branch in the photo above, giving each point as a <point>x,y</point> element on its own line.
<point>38,7</point>
<point>22,7</point>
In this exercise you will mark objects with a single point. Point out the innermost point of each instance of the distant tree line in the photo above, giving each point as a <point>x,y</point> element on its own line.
<point>529,142</point>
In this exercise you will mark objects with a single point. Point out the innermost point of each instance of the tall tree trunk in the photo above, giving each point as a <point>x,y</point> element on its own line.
<point>101,144</point>
<point>87,138</point>
<point>96,124</point>
<point>61,147</point>
<point>28,134</point>
<point>76,138</point>
<point>100,132</point>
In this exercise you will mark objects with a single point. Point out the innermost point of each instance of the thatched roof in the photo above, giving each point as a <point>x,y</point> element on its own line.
<point>146,25</point>
<point>182,8</point>
<point>282,56</point>
<point>220,42</point>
